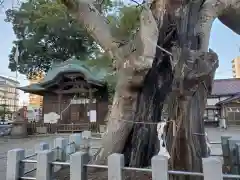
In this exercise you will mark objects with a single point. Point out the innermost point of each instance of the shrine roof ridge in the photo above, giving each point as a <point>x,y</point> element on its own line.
<point>92,75</point>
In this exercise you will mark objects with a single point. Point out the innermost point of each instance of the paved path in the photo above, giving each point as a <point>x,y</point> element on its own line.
<point>27,143</point>
<point>214,134</point>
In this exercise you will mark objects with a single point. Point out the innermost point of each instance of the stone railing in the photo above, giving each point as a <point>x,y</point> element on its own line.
<point>74,154</point>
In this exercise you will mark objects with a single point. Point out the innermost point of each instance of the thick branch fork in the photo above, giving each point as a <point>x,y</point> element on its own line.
<point>98,26</point>
<point>226,10</point>
<point>133,62</point>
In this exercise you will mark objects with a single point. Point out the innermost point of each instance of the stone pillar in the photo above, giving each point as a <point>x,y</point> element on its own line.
<point>60,145</point>
<point>115,165</point>
<point>159,167</point>
<point>212,169</point>
<point>19,129</point>
<point>44,167</point>
<point>77,169</point>
<point>76,139</point>
<point>14,167</point>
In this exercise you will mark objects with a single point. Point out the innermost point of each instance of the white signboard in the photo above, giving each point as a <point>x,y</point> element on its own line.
<point>51,118</point>
<point>93,116</point>
<point>82,101</point>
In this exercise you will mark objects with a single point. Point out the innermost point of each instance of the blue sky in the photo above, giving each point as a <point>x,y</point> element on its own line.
<point>227,45</point>
<point>223,41</point>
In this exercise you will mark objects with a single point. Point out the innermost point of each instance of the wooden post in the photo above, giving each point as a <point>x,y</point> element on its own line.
<point>72,128</point>
<point>42,107</point>
<point>90,103</point>
<point>59,105</point>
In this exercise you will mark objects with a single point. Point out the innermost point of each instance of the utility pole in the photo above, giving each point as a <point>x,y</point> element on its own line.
<point>4,102</point>
<point>4,106</point>
<point>16,94</point>
<point>16,61</point>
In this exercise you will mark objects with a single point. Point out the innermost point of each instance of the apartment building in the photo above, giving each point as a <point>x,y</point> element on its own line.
<point>35,100</point>
<point>236,67</point>
<point>9,95</point>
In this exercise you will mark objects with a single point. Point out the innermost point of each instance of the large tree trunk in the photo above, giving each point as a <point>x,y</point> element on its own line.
<point>143,142</point>
<point>148,74</point>
<point>186,108</point>
<point>138,58</point>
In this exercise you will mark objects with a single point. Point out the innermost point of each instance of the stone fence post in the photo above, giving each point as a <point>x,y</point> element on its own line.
<point>225,149</point>
<point>77,169</point>
<point>212,169</point>
<point>233,147</point>
<point>15,168</point>
<point>60,145</point>
<point>76,139</point>
<point>41,146</point>
<point>44,166</point>
<point>115,165</point>
<point>160,168</point>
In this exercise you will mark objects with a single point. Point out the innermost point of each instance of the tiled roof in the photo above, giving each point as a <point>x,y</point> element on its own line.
<point>228,100</point>
<point>226,87</point>
<point>93,75</point>
<point>9,79</point>
<point>36,87</point>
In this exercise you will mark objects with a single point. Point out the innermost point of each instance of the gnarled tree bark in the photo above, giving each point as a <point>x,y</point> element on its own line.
<point>133,61</point>
<point>186,107</point>
<point>168,57</point>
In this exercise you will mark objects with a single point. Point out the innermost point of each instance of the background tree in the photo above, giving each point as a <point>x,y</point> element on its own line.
<point>46,33</point>
<point>4,110</point>
<point>123,23</point>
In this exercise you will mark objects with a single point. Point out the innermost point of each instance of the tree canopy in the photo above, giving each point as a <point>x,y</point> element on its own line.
<point>46,33</point>
<point>4,109</point>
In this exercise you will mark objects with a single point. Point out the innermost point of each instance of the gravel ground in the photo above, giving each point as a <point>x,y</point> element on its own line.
<point>6,144</point>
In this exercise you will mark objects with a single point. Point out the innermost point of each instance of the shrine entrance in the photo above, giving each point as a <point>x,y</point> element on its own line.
<point>75,93</point>
<point>80,111</point>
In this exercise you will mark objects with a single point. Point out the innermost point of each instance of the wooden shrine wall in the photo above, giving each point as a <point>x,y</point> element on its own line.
<point>77,112</point>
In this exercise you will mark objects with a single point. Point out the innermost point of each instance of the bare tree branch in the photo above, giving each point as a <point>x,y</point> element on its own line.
<point>98,27</point>
<point>95,23</point>
<point>211,9</point>
<point>136,56</point>
<point>140,51</point>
